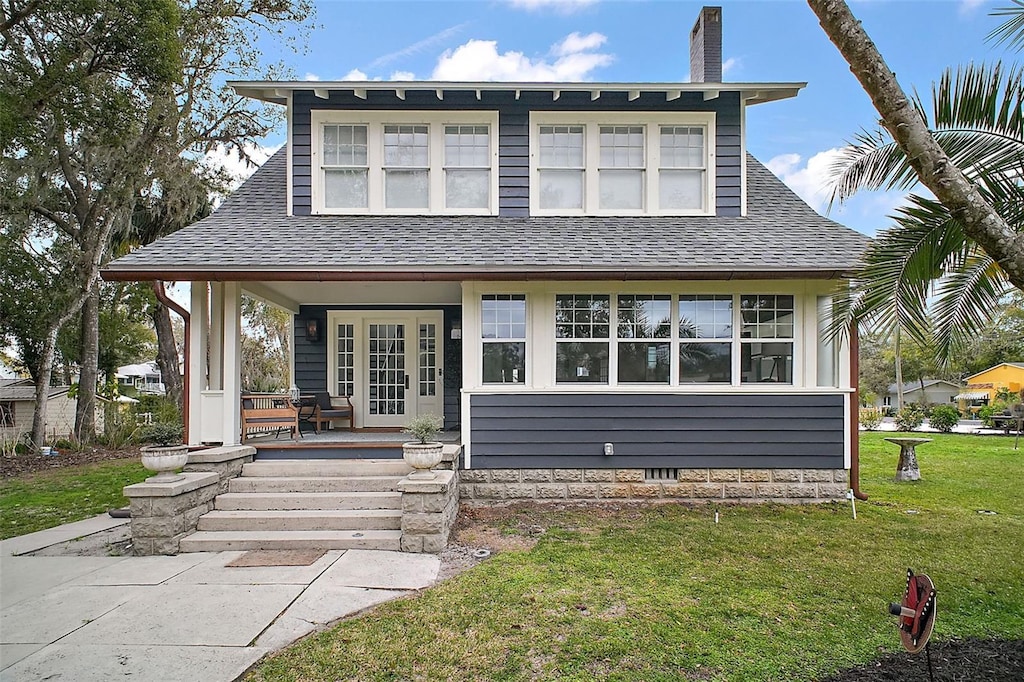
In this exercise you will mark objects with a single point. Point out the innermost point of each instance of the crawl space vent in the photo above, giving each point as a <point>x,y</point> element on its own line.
<point>662,474</point>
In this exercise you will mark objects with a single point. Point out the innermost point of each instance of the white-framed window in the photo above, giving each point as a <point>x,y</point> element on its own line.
<point>399,162</point>
<point>643,163</point>
<point>6,413</point>
<point>674,339</point>
<point>503,334</point>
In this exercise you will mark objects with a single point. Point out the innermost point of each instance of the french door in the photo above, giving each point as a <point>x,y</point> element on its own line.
<point>389,363</point>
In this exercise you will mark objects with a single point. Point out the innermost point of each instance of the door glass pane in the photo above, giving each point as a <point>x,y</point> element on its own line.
<point>345,189</point>
<point>386,369</point>
<point>428,359</point>
<point>345,360</point>
<point>561,189</point>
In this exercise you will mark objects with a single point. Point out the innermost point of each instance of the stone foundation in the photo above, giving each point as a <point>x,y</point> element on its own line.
<point>429,507</point>
<point>164,513</point>
<point>490,486</point>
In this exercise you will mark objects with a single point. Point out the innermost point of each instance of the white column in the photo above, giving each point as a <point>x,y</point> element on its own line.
<point>216,335</point>
<point>291,349</point>
<point>197,346</point>
<point>232,355</point>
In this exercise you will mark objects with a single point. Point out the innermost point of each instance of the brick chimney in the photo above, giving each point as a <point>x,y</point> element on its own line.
<point>706,47</point>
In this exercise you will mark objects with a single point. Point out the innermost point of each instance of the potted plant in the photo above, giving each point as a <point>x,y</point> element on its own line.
<point>424,453</point>
<point>166,452</point>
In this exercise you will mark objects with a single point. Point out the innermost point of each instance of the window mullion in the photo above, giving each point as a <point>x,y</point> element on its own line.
<point>737,323</point>
<point>673,346</point>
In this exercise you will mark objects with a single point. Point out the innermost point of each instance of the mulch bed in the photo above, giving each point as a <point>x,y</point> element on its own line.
<point>958,660</point>
<point>22,465</point>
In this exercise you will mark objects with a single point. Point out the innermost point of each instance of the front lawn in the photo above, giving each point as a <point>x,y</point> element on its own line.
<point>769,593</point>
<point>54,496</point>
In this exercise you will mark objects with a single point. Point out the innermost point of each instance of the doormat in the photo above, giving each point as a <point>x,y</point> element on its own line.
<point>277,557</point>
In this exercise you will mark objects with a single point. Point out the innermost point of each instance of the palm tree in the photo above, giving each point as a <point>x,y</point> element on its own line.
<point>924,276</point>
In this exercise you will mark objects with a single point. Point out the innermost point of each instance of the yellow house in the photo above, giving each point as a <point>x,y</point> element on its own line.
<point>986,384</point>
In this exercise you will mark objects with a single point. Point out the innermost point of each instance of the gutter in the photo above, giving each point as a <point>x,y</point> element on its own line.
<point>855,413</point>
<point>161,295</point>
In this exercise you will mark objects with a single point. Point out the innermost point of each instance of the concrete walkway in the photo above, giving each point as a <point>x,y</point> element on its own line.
<point>185,617</point>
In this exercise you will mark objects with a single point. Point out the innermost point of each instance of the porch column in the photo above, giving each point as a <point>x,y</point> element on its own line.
<point>217,336</point>
<point>197,347</point>
<point>232,367</point>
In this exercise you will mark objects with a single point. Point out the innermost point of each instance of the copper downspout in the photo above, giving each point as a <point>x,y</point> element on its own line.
<point>855,413</point>
<point>161,295</point>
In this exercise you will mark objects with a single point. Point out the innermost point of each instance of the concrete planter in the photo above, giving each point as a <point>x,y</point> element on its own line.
<point>422,457</point>
<point>164,460</point>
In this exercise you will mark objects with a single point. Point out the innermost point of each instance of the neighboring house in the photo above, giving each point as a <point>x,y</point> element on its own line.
<point>140,379</point>
<point>17,407</point>
<point>983,387</point>
<point>581,277</point>
<point>935,392</point>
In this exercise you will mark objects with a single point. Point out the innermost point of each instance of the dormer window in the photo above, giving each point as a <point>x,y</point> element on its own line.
<point>621,163</point>
<point>388,162</point>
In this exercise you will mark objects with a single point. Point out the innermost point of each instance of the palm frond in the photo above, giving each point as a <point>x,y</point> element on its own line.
<point>968,297</point>
<point>1012,30</point>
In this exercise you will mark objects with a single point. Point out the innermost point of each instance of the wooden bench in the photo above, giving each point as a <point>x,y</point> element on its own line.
<point>262,412</point>
<point>328,408</point>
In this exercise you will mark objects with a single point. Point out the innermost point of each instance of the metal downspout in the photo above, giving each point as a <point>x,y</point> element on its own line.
<point>855,413</point>
<point>161,295</point>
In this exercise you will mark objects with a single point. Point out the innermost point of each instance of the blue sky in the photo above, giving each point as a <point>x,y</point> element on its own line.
<point>606,40</point>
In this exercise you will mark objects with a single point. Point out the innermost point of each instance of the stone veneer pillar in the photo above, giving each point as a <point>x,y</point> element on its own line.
<point>429,508</point>
<point>164,513</point>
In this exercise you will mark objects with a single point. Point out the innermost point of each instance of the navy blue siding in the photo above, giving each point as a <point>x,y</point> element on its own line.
<point>311,357</point>
<point>541,430</point>
<point>513,133</point>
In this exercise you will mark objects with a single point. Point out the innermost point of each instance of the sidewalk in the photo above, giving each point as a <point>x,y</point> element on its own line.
<point>185,617</point>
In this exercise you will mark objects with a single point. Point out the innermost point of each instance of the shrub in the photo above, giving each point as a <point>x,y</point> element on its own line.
<point>424,427</point>
<point>909,418</point>
<point>870,418</point>
<point>943,418</point>
<point>162,434</point>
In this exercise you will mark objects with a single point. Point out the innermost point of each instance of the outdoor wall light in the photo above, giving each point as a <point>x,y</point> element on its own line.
<point>457,329</point>
<point>313,329</point>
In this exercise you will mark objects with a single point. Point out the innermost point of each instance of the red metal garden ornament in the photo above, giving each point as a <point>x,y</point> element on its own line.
<point>916,614</point>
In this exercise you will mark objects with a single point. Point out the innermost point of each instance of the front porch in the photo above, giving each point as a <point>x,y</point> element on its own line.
<point>339,444</point>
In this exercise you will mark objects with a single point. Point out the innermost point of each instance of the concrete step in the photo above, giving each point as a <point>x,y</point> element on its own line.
<point>302,519</point>
<point>327,468</point>
<point>267,501</point>
<point>221,541</point>
<point>313,484</point>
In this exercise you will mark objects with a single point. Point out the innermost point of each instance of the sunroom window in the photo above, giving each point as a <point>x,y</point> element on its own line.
<point>582,327</point>
<point>644,331</point>
<point>766,338</point>
<point>705,339</point>
<point>503,330</point>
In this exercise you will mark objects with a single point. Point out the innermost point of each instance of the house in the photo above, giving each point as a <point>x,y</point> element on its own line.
<point>141,379</point>
<point>17,407</point>
<point>594,283</point>
<point>924,392</point>
<point>984,387</point>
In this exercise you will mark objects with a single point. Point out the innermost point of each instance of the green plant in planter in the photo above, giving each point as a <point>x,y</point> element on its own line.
<point>424,427</point>
<point>162,434</point>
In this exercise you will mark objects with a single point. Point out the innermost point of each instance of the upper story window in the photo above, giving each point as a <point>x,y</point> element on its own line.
<point>390,162</point>
<point>621,164</point>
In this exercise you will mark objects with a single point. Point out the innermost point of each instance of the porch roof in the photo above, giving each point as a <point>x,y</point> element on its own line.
<point>251,237</point>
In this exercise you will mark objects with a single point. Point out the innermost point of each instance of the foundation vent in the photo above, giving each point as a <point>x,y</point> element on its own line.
<point>661,474</point>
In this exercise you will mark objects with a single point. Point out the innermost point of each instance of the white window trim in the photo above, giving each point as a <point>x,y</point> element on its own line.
<point>591,121</point>
<point>375,121</point>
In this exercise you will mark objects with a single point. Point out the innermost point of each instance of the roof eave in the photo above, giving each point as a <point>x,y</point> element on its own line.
<point>277,92</point>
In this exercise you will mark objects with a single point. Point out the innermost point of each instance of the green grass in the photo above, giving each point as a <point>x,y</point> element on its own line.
<point>663,593</point>
<point>50,498</point>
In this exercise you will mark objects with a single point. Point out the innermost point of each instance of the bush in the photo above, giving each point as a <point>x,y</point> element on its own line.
<point>424,427</point>
<point>943,418</point>
<point>986,412</point>
<point>870,418</point>
<point>162,434</point>
<point>909,418</point>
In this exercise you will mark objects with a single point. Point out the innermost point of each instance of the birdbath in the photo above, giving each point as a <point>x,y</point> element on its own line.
<point>907,469</point>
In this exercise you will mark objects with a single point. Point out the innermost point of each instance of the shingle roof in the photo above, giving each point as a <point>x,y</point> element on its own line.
<point>251,232</point>
<point>27,391</point>
<point>911,386</point>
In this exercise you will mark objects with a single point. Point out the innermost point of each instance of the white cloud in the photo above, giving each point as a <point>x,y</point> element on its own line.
<point>562,6</point>
<point>311,77</point>
<point>237,167</point>
<point>402,76</point>
<point>355,75</point>
<point>418,46</point>
<point>969,6</point>
<point>811,181</point>
<point>479,60</point>
<point>730,64</point>
<point>574,43</point>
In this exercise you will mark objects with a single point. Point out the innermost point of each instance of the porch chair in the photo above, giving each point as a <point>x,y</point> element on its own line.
<point>326,411</point>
